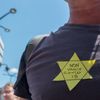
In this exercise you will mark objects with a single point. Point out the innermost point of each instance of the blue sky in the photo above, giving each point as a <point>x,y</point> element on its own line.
<point>33,17</point>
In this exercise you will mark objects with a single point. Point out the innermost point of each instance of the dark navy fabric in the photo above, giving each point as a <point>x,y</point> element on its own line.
<point>42,66</point>
<point>21,87</point>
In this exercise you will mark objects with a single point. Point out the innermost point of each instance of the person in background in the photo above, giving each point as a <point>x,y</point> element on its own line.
<point>66,64</point>
<point>8,92</point>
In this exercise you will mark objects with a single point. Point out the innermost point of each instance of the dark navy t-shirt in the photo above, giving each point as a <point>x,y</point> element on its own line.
<point>75,45</point>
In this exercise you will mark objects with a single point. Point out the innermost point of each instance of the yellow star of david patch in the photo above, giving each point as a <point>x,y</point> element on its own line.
<point>73,71</point>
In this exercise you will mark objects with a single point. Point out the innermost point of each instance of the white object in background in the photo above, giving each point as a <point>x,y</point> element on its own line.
<point>1,50</point>
<point>13,70</point>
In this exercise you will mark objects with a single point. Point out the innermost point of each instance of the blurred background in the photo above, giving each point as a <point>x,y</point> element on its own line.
<point>20,21</point>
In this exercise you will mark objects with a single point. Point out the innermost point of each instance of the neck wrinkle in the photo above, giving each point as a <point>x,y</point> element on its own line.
<point>85,14</point>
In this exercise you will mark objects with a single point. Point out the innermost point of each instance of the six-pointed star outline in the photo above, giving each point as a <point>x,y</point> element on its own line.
<point>73,71</point>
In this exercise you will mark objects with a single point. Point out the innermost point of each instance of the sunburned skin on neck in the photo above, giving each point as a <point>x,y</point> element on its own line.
<point>84,11</point>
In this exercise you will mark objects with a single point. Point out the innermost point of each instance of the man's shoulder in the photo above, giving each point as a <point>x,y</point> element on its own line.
<point>37,39</point>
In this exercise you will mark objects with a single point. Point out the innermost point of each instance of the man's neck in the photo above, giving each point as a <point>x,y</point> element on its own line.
<point>89,15</point>
<point>89,19</point>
